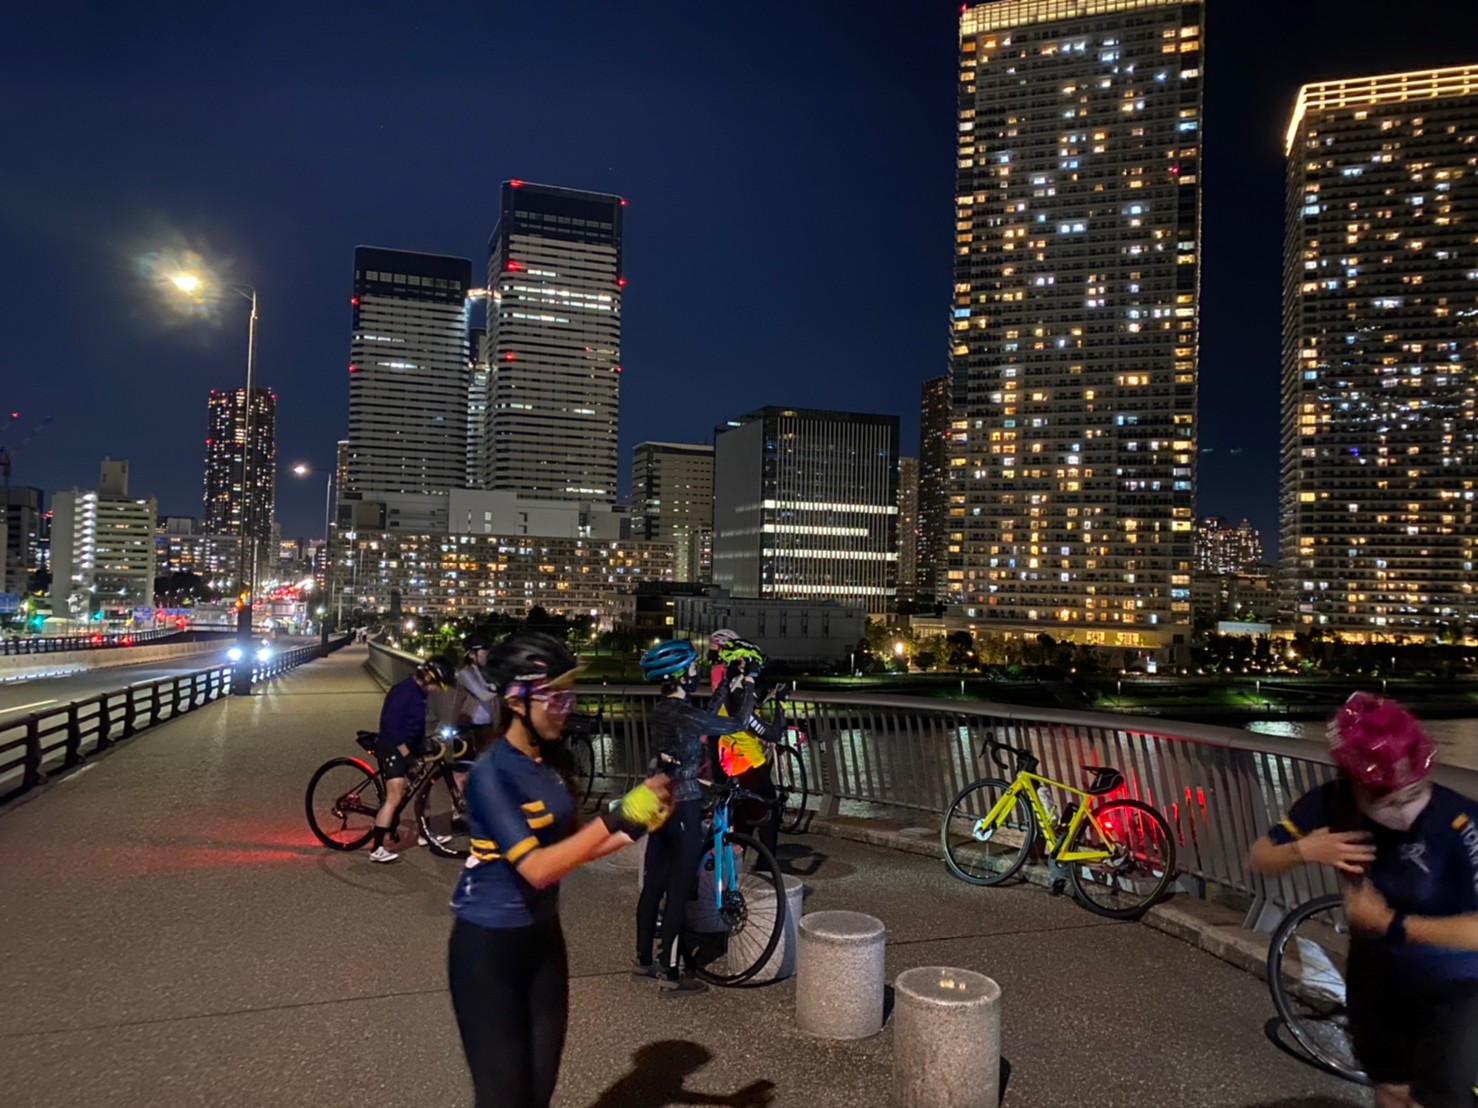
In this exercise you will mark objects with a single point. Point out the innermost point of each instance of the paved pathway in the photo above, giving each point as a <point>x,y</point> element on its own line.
<point>171,934</point>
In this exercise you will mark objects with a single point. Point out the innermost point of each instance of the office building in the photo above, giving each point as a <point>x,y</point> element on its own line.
<point>672,501</point>
<point>102,548</point>
<point>500,512</point>
<point>1223,547</point>
<point>466,575</point>
<point>230,507</point>
<point>1380,431</point>
<point>1077,261</point>
<point>20,546</point>
<point>934,519</point>
<point>553,346</point>
<point>408,389</point>
<point>806,507</point>
<point>908,528</point>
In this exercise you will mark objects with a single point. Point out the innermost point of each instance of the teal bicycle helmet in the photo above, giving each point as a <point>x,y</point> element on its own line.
<point>667,659</point>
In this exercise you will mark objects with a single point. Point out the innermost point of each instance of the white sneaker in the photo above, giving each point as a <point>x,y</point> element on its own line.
<point>441,840</point>
<point>380,854</point>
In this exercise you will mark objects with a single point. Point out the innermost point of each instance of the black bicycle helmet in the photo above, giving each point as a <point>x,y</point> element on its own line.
<point>436,671</point>
<point>532,660</point>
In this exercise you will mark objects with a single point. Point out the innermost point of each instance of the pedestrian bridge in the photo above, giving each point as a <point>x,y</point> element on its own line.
<point>172,934</point>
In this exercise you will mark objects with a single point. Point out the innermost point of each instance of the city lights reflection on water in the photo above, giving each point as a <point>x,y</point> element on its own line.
<point>1456,739</point>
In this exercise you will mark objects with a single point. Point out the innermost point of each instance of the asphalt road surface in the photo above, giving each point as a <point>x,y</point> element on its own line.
<point>35,694</point>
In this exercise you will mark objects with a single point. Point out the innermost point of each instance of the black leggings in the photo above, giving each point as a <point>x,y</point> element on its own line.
<point>510,990</point>
<point>671,875</point>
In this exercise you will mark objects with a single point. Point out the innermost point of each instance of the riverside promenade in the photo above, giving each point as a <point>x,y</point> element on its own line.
<point>171,934</point>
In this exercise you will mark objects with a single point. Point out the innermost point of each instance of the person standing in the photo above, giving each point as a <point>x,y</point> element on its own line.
<point>1407,853</point>
<point>476,699</point>
<point>506,963</point>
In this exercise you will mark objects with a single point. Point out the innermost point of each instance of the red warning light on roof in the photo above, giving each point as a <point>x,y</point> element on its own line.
<point>617,369</point>
<point>621,282</point>
<point>623,201</point>
<point>516,183</point>
<point>508,355</point>
<point>354,300</point>
<point>512,266</point>
<point>351,367</point>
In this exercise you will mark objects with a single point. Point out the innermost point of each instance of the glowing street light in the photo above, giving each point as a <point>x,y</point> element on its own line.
<point>187,283</point>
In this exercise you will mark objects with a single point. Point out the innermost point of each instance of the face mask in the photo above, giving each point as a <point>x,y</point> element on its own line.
<point>1399,810</point>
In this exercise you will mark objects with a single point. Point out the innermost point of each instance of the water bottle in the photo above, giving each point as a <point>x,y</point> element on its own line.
<point>1067,818</point>
<point>1045,796</point>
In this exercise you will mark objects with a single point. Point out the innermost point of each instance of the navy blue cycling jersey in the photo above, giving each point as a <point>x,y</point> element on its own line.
<point>1430,870</point>
<point>403,715</point>
<point>514,804</point>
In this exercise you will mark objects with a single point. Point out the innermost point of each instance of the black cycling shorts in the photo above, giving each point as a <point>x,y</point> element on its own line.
<point>1414,1032</point>
<point>393,763</point>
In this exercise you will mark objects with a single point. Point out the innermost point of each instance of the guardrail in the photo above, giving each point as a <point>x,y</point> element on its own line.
<point>57,739</point>
<point>905,757</point>
<point>99,640</point>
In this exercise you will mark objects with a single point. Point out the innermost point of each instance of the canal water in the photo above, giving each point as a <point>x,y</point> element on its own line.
<point>1457,739</point>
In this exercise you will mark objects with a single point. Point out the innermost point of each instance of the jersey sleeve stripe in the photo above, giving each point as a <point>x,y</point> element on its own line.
<point>533,807</point>
<point>1291,827</point>
<point>520,849</point>
<point>537,823</point>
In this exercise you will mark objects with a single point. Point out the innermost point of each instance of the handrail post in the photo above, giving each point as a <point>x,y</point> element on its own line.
<point>158,708</point>
<point>74,737</point>
<point>105,723</point>
<point>831,800</point>
<point>33,775</point>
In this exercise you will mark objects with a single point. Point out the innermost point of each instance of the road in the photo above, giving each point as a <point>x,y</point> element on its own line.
<point>39,693</point>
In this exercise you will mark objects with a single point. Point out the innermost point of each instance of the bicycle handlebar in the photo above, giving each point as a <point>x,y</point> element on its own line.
<point>1025,759</point>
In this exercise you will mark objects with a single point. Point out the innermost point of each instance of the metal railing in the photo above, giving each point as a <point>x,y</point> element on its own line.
<point>40,744</point>
<point>99,640</point>
<point>896,757</point>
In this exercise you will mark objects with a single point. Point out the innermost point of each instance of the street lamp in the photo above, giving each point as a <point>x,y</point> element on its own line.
<point>189,283</point>
<point>304,469</point>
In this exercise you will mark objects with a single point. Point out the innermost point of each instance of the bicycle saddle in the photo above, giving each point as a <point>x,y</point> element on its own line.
<point>366,739</point>
<point>1104,779</point>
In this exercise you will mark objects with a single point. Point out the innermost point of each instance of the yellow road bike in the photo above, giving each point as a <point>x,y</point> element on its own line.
<point>1118,853</point>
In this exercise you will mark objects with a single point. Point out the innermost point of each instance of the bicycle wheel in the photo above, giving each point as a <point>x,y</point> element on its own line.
<point>342,799</point>
<point>582,771</point>
<point>727,943</point>
<point>981,853</point>
<point>790,787</point>
<point>1307,959</point>
<point>1140,862</point>
<point>441,813</point>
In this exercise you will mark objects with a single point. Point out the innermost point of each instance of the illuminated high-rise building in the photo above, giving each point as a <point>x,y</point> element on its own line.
<point>934,518</point>
<point>1380,356</point>
<point>1223,547</point>
<point>231,507</point>
<point>806,507</point>
<point>1077,262</point>
<point>672,501</point>
<point>553,346</point>
<point>408,389</point>
<point>908,528</point>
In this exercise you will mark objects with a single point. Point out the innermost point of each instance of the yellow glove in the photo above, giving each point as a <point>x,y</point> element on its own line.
<point>639,811</point>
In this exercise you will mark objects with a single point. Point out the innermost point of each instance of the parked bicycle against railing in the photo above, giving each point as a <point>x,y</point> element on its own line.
<point>344,795</point>
<point>739,922</point>
<point>581,733</point>
<point>1118,853</point>
<point>788,764</point>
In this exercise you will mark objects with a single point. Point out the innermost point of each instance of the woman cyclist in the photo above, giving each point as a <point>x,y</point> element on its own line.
<point>1408,852</point>
<point>399,742</point>
<point>677,730</point>
<point>506,961</point>
<point>476,699</point>
<point>744,753</point>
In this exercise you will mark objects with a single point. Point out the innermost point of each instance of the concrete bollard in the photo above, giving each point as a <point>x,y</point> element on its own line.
<point>839,975</point>
<point>781,963</point>
<point>946,1039</point>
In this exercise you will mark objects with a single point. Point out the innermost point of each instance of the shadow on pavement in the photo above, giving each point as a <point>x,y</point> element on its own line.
<point>799,860</point>
<point>659,1072</point>
<point>1276,1032</point>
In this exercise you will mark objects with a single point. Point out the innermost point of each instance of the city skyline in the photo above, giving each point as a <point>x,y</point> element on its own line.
<point>154,203</point>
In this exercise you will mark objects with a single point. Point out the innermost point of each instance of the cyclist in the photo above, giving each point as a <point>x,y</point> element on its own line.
<point>1407,850</point>
<point>506,962</point>
<point>476,699</point>
<point>744,754</point>
<point>677,730</point>
<point>402,731</point>
<point>716,668</point>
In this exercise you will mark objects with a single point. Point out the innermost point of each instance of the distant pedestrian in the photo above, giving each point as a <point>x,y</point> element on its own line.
<point>476,699</point>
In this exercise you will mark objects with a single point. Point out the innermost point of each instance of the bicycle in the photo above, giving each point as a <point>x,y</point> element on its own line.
<point>580,733</point>
<point>789,767</point>
<point>748,901</point>
<point>1118,853</point>
<point>344,794</point>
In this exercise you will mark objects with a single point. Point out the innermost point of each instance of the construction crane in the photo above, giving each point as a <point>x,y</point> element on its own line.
<point>6,452</point>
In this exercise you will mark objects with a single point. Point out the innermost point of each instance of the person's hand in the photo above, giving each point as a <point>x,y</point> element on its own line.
<point>1347,851</point>
<point>1366,909</point>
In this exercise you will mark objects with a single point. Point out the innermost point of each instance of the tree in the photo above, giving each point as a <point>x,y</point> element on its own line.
<point>926,660</point>
<point>959,649</point>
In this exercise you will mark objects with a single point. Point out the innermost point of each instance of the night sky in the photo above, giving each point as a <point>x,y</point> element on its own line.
<point>789,168</point>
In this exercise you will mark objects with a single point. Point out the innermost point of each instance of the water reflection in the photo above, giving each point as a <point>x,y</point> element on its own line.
<point>1456,738</point>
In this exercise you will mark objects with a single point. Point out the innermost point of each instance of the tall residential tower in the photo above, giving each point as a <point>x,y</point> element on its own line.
<point>934,518</point>
<point>1077,262</point>
<point>230,507</point>
<point>553,346</point>
<point>672,500</point>
<point>1380,356</point>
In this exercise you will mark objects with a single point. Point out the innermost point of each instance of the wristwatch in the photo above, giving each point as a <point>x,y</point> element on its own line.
<point>1396,933</point>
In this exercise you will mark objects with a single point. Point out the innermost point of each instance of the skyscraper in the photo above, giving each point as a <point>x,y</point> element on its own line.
<point>102,548</point>
<point>1380,358</point>
<point>806,506</point>
<point>230,508</point>
<point>672,500</point>
<point>908,528</point>
<point>553,346</point>
<point>1222,547</point>
<point>409,375</point>
<point>933,525</point>
<point>20,526</point>
<point>1077,261</point>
